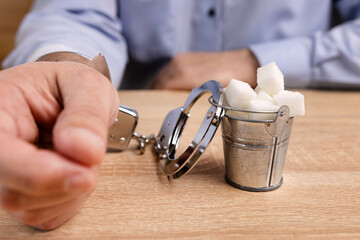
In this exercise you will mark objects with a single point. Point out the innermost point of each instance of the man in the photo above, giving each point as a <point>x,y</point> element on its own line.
<point>165,44</point>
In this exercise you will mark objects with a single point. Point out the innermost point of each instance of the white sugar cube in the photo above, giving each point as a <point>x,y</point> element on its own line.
<point>270,79</point>
<point>234,114</point>
<point>262,95</point>
<point>268,96</point>
<point>238,94</point>
<point>294,100</point>
<point>263,105</point>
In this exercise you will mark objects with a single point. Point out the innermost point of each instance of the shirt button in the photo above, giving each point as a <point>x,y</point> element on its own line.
<point>211,12</point>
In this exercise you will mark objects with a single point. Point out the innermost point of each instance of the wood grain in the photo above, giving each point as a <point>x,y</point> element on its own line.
<point>11,14</point>
<point>320,197</point>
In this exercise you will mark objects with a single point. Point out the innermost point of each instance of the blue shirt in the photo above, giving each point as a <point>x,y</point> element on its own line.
<point>316,43</point>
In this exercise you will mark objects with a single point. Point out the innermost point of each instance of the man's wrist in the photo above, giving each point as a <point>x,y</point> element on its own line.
<point>98,63</point>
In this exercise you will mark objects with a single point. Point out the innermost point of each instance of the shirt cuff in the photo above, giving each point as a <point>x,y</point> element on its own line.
<point>292,56</point>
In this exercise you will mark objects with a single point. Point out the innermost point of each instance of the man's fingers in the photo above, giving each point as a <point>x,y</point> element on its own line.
<point>90,107</point>
<point>78,105</point>
<point>25,168</point>
<point>63,217</point>
<point>15,201</point>
<point>73,100</point>
<point>51,217</point>
<point>15,116</point>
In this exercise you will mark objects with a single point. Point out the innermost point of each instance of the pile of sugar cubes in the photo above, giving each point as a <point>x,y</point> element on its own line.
<point>268,96</point>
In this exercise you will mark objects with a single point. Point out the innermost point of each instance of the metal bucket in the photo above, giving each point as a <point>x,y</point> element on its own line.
<point>255,151</point>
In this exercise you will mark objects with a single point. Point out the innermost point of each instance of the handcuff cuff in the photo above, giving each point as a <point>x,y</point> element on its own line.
<point>167,140</point>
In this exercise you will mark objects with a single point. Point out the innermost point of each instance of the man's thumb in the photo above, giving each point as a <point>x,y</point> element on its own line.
<point>90,106</point>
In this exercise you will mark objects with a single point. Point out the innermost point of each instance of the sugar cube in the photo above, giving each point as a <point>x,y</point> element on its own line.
<point>294,100</point>
<point>268,96</point>
<point>262,105</point>
<point>270,79</point>
<point>238,94</point>
<point>262,95</point>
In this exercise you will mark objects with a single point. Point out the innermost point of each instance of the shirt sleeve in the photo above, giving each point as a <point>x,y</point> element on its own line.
<point>88,27</point>
<point>325,59</point>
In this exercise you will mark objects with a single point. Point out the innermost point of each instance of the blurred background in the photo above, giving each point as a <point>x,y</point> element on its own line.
<point>11,13</point>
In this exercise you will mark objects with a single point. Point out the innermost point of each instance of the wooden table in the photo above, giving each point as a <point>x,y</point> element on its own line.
<point>319,199</point>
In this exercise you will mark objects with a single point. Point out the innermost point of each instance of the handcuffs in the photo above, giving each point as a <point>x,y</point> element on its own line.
<point>166,142</point>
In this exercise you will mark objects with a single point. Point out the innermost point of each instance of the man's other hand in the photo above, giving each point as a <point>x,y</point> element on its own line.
<point>192,69</point>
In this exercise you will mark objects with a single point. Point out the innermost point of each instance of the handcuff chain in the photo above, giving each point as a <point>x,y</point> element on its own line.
<point>144,140</point>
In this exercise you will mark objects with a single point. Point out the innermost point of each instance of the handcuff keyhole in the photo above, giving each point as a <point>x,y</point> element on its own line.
<point>162,138</point>
<point>209,115</point>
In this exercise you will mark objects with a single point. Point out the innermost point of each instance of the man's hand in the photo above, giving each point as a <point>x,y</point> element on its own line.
<point>74,105</point>
<point>189,70</point>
